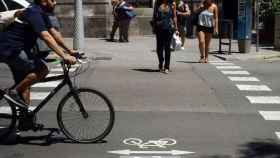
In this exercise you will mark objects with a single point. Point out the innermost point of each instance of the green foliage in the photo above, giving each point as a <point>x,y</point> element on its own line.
<point>276,6</point>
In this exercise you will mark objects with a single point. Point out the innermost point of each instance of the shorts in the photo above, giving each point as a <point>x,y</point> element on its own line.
<point>204,29</point>
<point>21,64</point>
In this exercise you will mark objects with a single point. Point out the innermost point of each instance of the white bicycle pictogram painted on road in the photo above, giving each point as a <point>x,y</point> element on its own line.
<point>161,143</point>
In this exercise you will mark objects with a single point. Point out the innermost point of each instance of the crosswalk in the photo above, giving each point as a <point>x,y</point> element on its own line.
<point>238,75</point>
<point>55,71</point>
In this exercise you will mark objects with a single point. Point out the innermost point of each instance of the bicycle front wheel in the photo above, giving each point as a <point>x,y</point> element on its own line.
<point>7,118</point>
<point>85,116</point>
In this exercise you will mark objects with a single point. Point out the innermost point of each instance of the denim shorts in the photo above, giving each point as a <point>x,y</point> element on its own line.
<point>22,63</point>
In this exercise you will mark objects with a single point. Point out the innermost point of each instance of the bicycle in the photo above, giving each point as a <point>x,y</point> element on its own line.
<point>84,115</point>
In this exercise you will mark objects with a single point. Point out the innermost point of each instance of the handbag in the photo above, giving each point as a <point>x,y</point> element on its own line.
<point>175,42</point>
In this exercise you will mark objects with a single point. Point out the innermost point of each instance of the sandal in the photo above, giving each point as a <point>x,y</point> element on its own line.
<point>201,60</point>
<point>206,60</point>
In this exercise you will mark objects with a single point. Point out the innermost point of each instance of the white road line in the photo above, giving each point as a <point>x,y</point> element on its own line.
<point>251,79</point>
<point>39,95</point>
<point>228,67</point>
<point>243,87</point>
<point>235,72</point>
<point>47,84</point>
<point>277,134</point>
<point>222,63</point>
<point>264,99</point>
<point>61,70</point>
<point>270,115</point>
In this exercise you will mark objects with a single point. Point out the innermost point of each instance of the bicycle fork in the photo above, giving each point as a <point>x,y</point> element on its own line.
<point>78,100</point>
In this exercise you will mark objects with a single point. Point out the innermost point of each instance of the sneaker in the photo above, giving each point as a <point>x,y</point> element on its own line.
<point>166,71</point>
<point>182,48</point>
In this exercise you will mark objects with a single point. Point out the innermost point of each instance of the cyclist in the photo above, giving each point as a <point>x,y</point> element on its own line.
<point>18,40</point>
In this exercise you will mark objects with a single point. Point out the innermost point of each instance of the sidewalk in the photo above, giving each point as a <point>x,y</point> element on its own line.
<point>101,49</point>
<point>265,53</point>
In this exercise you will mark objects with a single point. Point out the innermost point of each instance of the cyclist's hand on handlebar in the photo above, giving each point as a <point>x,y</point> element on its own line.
<point>73,52</point>
<point>68,59</point>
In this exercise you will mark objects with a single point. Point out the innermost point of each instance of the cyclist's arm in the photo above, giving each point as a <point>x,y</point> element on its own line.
<point>59,40</point>
<point>50,41</point>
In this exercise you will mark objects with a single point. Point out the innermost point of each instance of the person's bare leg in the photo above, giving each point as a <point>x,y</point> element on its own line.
<point>201,41</point>
<point>26,96</point>
<point>24,85</point>
<point>208,37</point>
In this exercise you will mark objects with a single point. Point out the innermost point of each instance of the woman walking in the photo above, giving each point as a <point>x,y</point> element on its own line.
<point>207,24</point>
<point>165,22</point>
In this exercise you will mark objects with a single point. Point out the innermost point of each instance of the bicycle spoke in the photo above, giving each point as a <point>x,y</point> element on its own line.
<point>86,128</point>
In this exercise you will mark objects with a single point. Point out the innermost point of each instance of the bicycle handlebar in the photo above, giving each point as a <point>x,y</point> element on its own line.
<point>79,57</point>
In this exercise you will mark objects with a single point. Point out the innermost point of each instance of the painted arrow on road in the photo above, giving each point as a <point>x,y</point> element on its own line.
<point>172,152</point>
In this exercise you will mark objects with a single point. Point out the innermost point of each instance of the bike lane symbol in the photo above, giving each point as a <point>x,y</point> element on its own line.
<point>162,143</point>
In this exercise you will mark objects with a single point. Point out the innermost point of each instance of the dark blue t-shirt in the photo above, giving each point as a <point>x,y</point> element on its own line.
<point>22,36</point>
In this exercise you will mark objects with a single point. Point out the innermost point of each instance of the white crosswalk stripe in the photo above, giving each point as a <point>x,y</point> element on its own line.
<point>39,95</point>
<point>270,115</point>
<point>51,75</point>
<point>228,67</point>
<point>50,84</point>
<point>218,61</point>
<point>222,64</point>
<point>277,134</point>
<point>242,87</point>
<point>7,109</point>
<point>248,79</point>
<point>61,70</point>
<point>264,99</point>
<point>235,72</point>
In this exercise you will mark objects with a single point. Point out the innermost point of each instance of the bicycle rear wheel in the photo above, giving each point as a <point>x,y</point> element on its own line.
<point>7,118</point>
<point>91,122</point>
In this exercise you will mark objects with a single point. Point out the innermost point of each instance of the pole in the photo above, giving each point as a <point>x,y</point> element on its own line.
<point>78,42</point>
<point>257,25</point>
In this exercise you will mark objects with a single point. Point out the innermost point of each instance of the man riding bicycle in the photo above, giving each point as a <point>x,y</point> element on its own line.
<point>18,40</point>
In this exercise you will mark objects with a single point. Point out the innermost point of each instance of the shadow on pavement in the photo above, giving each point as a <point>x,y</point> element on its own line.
<point>224,52</point>
<point>267,148</point>
<point>189,62</point>
<point>146,70</point>
<point>41,140</point>
<point>109,40</point>
<point>217,156</point>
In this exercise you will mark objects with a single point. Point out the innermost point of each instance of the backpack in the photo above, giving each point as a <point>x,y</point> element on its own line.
<point>6,18</point>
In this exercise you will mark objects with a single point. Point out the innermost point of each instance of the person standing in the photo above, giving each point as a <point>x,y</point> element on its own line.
<point>115,25</point>
<point>207,24</point>
<point>165,20</point>
<point>183,12</point>
<point>124,19</point>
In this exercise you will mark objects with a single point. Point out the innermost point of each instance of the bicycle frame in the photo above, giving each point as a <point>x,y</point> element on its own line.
<point>65,81</point>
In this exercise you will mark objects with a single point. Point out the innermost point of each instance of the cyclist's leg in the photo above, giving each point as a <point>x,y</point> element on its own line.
<point>27,70</point>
